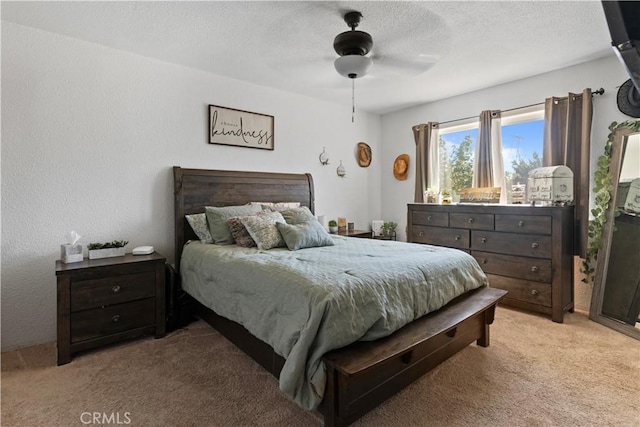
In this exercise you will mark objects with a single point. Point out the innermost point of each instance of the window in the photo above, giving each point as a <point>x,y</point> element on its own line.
<point>522,142</point>
<point>521,150</point>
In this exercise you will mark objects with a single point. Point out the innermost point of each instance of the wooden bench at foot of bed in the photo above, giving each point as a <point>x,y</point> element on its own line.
<point>364,374</point>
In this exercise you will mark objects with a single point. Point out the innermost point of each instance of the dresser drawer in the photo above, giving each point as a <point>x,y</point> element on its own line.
<point>536,269</point>
<point>99,322</point>
<point>522,290</point>
<point>437,219</point>
<point>472,221</point>
<point>93,293</point>
<point>450,237</point>
<point>524,224</point>
<point>531,245</point>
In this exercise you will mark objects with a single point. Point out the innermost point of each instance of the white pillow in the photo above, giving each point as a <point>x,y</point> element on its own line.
<point>198,223</point>
<point>263,230</point>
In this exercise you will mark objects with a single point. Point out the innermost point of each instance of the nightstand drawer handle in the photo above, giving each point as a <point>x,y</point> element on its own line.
<point>115,289</point>
<point>534,245</point>
<point>483,240</point>
<point>535,292</point>
<point>520,223</point>
<point>115,318</point>
<point>534,269</point>
<point>429,218</point>
<point>484,261</point>
<point>470,220</point>
<point>458,237</point>
<point>421,233</point>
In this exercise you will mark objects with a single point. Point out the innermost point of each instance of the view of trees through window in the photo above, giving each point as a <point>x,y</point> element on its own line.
<point>521,152</point>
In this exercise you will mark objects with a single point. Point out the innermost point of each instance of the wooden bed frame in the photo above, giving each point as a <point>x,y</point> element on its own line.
<point>363,374</point>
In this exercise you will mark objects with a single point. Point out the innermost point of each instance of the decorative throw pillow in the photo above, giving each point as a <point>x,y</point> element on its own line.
<point>276,206</point>
<point>309,234</point>
<point>239,233</point>
<point>297,215</point>
<point>198,223</point>
<point>217,218</point>
<point>263,230</point>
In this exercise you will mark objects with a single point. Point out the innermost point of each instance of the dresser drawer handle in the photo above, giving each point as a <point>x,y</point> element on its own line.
<point>115,318</point>
<point>520,223</point>
<point>535,245</point>
<point>534,292</point>
<point>429,218</point>
<point>421,233</point>
<point>470,220</point>
<point>483,240</point>
<point>458,237</point>
<point>115,289</point>
<point>406,358</point>
<point>534,269</point>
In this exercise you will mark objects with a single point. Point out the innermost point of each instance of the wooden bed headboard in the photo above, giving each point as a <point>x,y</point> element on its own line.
<point>196,188</point>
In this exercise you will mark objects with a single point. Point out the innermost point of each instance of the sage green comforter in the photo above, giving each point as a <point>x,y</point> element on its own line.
<point>305,303</point>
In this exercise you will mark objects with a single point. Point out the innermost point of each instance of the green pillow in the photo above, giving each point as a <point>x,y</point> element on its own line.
<point>308,234</point>
<point>217,218</point>
<point>297,215</point>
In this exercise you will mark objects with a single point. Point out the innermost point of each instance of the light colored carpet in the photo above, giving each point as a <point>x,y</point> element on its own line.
<point>534,373</point>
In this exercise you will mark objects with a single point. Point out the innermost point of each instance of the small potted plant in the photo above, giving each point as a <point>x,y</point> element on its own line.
<point>388,228</point>
<point>106,250</point>
<point>333,226</point>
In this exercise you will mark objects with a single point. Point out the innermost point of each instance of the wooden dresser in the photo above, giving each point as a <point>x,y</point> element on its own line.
<point>525,250</point>
<point>103,301</point>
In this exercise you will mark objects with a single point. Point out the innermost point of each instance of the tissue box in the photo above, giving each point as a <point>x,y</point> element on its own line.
<point>70,253</point>
<point>632,201</point>
<point>551,184</point>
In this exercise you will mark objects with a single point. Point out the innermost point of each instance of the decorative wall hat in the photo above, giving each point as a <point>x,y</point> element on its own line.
<point>401,167</point>
<point>364,154</point>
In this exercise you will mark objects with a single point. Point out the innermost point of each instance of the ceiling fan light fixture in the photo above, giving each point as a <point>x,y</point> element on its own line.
<point>353,66</point>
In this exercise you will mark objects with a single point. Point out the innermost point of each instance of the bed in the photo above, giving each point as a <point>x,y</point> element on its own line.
<point>355,377</point>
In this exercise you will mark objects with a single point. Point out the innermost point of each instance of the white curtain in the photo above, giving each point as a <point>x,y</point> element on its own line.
<point>427,159</point>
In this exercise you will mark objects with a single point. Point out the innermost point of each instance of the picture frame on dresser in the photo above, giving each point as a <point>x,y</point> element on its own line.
<point>229,126</point>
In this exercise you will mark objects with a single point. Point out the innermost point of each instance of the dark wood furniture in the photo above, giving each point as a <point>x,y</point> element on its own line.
<point>103,301</point>
<point>361,375</point>
<point>356,233</point>
<point>526,250</point>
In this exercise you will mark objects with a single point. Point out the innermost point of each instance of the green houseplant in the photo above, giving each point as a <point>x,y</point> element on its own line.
<point>388,228</point>
<point>106,250</point>
<point>333,226</point>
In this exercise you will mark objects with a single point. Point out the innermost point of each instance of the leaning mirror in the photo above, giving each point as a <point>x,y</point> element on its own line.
<point>615,301</point>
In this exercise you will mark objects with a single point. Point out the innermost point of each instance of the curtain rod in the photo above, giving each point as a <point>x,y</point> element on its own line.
<point>595,92</point>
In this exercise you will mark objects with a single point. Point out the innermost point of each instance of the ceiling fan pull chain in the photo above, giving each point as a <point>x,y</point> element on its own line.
<point>353,99</point>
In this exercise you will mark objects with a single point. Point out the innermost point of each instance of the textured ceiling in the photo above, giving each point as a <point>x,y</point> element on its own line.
<point>423,51</point>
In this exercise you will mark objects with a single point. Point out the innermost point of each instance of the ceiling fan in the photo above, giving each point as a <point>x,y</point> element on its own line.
<point>353,47</point>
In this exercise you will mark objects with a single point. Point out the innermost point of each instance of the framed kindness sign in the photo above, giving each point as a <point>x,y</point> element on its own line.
<point>228,126</point>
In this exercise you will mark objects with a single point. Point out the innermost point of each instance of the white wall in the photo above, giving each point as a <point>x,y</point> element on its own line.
<point>397,137</point>
<point>89,136</point>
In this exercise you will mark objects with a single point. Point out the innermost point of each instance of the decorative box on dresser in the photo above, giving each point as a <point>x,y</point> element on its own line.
<point>103,301</point>
<point>525,250</point>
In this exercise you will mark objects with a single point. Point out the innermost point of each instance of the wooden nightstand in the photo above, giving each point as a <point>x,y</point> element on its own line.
<point>103,301</point>
<point>355,233</point>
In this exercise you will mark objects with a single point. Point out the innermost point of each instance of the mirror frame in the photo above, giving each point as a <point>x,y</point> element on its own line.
<point>621,134</point>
